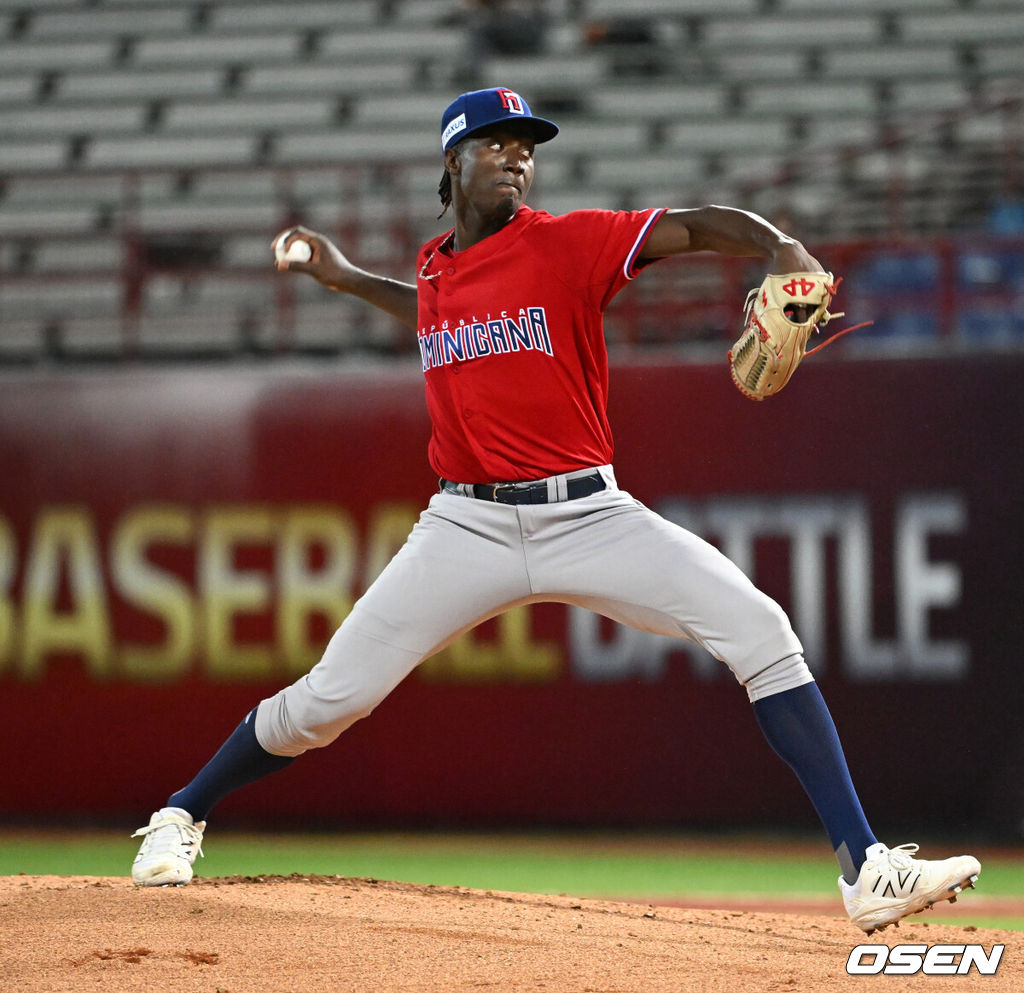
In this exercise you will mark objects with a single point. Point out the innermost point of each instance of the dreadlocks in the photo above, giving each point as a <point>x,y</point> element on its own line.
<point>444,191</point>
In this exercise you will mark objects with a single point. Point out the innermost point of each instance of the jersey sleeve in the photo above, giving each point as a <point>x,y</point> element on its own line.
<point>598,250</point>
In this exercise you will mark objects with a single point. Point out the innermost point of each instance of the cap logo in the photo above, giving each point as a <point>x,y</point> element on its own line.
<point>512,102</point>
<point>456,125</point>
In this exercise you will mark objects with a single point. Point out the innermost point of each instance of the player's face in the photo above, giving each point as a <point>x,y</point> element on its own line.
<point>496,170</point>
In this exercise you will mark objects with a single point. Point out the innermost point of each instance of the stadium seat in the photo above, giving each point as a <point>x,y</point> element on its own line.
<point>96,253</point>
<point>758,31</point>
<point>894,273</point>
<point>86,296</point>
<point>597,9</point>
<point>146,151</point>
<point>90,21</point>
<point>42,218</point>
<point>21,341</point>
<point>49,56</point>
<point>659,103</point>
<point>924,95</point>
<point>823,99</point>
<point>728,134</point>
<point>353,145</point>
<point>604,137</point>
<point>49,152</point>
<point>979,26</point>
<point>332,77</point>
<point>744,68</point>
<point>398,43</point>
<point>1000,57</point>
<point>198,50</point>
<point>17,90</point>
<point>288,15</point>
<point>991,268</point>
<point>627,172</point>
<point>884,62</point>
<point>92,119</point>
<point>208,215</point>
<point>76,336</point>
<point>530,73</point>
<point>422,12</point>
<point>234,115</point>
<point>102,84</point>
<point>870,6</point>
<point>989,326</point>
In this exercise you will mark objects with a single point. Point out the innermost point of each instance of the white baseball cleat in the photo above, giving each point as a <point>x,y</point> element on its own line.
<point>892,884</point>
<point>170,843</point>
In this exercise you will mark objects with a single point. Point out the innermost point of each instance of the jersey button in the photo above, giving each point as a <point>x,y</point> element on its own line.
<point>450,270</point>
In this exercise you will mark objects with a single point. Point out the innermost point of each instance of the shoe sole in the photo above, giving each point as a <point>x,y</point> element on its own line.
<point>172,877</point>
<point>951,893</point>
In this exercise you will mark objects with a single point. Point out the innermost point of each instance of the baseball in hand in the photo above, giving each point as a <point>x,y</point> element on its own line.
<point>297,251</point>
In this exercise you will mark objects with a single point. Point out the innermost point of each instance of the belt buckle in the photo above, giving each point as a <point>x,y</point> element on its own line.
<point>500,486</point>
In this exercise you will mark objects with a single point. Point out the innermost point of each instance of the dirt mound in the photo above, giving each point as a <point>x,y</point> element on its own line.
<point>272,934</point>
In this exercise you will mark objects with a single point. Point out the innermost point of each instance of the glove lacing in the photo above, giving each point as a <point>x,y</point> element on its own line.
<point>825,318</point>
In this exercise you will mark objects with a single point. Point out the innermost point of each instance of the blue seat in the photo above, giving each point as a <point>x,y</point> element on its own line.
<point>902,324</point>
<point>1007,218</point>
<point>899,271</point>
<point>990,326</point>
<point>991,269</point>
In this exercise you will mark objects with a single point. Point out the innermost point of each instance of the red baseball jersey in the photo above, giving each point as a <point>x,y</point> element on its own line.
<point>512,341</point>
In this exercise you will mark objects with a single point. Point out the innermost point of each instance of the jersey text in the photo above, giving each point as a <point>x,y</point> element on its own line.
<point>479,339</point>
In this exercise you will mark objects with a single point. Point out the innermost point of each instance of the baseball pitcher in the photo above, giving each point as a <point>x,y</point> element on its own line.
<point>507,308</point>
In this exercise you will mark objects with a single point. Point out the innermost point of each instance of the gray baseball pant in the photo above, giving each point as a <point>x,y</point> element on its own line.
<point>467,560</point>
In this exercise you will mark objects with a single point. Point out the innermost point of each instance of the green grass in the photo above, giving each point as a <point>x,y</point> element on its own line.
<point>663,867</point>
<point>585,865</point>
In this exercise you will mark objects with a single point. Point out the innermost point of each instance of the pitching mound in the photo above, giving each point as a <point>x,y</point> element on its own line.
<point>300,934</point>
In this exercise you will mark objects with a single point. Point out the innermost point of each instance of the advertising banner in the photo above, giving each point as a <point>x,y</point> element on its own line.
<point>176,544</point>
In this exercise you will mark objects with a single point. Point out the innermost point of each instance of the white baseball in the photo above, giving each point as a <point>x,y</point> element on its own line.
<point>297,251</point>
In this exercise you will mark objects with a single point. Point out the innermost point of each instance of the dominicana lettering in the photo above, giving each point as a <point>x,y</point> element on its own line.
<point>477,339</point>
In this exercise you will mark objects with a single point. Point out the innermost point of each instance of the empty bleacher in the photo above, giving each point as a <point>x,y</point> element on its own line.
<point>149,149</point>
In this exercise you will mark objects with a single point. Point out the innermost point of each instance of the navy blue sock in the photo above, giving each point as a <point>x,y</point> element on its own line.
<point>798,725</point>
<point>240,760</point>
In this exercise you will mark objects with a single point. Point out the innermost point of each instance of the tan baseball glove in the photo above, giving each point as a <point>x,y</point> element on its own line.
<point>778,319</point>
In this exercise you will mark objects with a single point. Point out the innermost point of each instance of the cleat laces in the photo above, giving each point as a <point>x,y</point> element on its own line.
<point>179,838</point>
<point>899,875</point>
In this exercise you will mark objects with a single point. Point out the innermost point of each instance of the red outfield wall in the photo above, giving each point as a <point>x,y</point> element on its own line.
<point>176,544</point>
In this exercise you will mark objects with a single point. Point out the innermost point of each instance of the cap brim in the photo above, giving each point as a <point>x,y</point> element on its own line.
<point>542,129</point>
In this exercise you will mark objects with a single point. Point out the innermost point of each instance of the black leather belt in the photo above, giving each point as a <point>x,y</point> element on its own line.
<point>517,493</point>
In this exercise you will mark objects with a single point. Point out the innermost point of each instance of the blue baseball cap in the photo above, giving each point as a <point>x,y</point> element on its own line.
<point>478,109</point>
